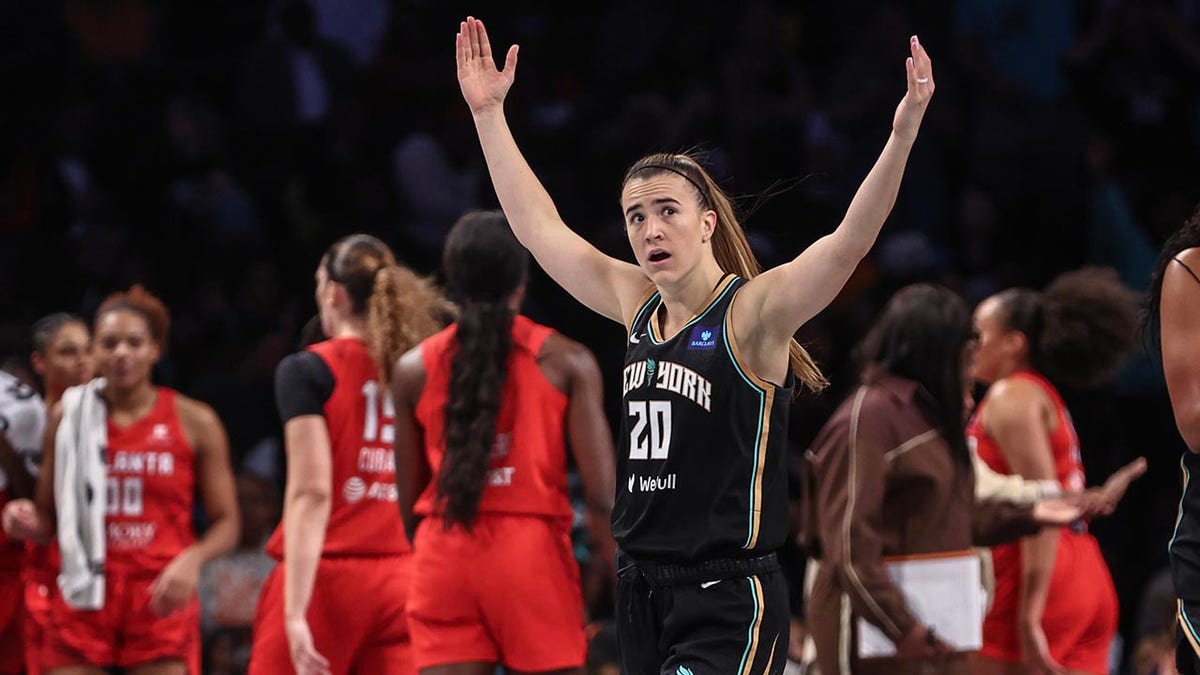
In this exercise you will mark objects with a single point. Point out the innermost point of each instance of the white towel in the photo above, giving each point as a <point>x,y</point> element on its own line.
<point>80,477</point>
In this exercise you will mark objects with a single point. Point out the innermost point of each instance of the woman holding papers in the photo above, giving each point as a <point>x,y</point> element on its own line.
<point>1056,608</point>
<point>892,477</point>
<point>131,561</point>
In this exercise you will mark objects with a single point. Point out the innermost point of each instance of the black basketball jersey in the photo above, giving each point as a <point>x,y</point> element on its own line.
<point>1185,542</point>
<point>702,467</point>
<point>1184,548</point>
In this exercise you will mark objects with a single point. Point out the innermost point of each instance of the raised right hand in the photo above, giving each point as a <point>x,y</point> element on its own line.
<point>20,519</point>
<point>483,87</point>
<point>920,88</point>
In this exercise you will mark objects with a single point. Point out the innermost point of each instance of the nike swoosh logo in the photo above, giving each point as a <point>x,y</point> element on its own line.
<point>710,583</point>
<point>633,339</point>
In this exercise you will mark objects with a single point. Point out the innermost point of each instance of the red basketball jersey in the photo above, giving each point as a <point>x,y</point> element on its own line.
<point>528,470</point>
<point>1079,568</point>
<point>1064,443</point>
<point>42,562</point>
<point>363,517</point>
<point>150,490</point>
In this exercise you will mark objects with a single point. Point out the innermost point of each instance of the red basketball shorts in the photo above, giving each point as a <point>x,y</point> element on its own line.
<point>356,616</point>
<point>125,632</point>
<point>11,620</point>
<point>506,592</point>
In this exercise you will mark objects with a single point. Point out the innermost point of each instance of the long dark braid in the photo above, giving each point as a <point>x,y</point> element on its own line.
<point>484,265</point>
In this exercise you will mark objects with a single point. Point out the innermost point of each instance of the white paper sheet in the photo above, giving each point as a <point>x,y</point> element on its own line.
<point>944,593</point>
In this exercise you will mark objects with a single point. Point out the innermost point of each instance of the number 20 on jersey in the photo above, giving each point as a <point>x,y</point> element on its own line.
<point>650,437</point>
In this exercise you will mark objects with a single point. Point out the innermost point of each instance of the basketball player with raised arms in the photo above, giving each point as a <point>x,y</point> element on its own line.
<point>701,502</point>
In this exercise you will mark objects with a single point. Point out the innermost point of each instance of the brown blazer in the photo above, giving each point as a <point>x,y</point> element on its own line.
<point>882,482</point>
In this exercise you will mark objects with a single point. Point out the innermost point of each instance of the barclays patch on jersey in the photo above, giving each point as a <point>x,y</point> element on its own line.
<point>704,337</point>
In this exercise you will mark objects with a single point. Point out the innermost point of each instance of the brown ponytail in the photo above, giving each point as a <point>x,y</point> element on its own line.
<point>401,308</point>
<point>729,243</point>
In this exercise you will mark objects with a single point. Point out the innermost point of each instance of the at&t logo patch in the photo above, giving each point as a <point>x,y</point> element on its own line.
<point>354,490</point>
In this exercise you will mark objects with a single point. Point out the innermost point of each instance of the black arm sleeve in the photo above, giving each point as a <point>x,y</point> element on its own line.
<point>303,382</point>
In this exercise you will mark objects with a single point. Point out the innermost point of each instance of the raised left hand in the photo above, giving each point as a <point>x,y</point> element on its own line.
<point>176,584</point>
<point>920,89</point>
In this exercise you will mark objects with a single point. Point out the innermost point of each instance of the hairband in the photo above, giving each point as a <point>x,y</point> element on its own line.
<point>677,172</point>
<point>333,275</point>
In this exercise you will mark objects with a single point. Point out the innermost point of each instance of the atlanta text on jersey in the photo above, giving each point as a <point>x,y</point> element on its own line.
<point>149,463</point>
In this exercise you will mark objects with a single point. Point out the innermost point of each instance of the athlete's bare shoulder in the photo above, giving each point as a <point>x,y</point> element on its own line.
<point>564,360</point>
<point>200,422</point>
<point>1189,258</point>
<point>408,375</point>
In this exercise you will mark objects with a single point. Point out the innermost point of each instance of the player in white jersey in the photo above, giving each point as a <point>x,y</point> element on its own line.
<point>62,358</point>
<point>22,423</point>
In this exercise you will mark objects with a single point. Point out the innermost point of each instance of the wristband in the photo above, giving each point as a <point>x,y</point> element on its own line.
<point>1049,489</point>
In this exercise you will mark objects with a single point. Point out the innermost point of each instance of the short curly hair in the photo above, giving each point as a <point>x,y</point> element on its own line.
<point>141,301</point>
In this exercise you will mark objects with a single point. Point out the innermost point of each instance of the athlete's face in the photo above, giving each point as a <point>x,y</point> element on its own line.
<point>997,348</point>
<point>125,350</point>
<point>667,227</point>
<point>67,360</point>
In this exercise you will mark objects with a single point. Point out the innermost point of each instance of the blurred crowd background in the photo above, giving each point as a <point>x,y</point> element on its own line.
<point>212,150</point>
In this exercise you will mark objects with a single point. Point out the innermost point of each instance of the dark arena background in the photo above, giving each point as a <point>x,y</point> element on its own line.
<point>212,151</point>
